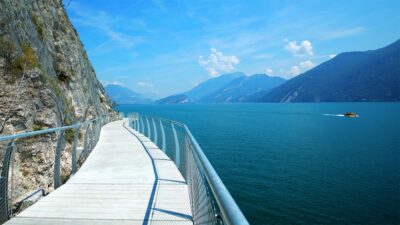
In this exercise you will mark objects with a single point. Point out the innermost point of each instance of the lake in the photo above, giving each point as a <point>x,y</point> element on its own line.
<point>300,163</point>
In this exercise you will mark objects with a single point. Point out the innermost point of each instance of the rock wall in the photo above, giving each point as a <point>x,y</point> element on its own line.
<point>46,80</point>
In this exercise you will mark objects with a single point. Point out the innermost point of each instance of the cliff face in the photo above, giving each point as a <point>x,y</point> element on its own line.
<point>46,80</point>
<point>45,75</point>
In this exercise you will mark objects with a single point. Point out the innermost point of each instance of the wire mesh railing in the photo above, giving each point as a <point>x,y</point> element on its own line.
<point>210,200</point>
<point>35,163</point>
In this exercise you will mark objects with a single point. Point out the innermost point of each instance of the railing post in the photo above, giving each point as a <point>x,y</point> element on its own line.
<point>141,126</point>
<point>74,146</point>
<point>148,128</point>
<point>177,150</point>
<point>92,138</point>
<point>5,210</point>
<point>131,120</point>
<point>98,129</point>
<point>155,132</point>
<point>57,160</point>
<point>163,141</point>
<point>186,153</point>
<point>85,143</point>
<point>136,123</point>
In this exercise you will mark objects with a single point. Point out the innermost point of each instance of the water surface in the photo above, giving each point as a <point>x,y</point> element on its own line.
<point>300,163</point>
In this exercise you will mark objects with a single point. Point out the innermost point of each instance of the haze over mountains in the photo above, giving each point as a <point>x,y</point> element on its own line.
<point>352,76</point>
<point>244,89</point>
<point>227,88</point>
<point>123,95</point>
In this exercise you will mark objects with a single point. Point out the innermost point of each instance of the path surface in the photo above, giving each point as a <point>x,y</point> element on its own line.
<point>121,183</point>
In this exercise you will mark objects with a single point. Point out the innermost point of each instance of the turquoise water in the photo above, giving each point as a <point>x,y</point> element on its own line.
<point>299,163</point>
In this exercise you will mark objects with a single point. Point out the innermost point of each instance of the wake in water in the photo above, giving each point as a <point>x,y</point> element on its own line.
<point>341,115</point>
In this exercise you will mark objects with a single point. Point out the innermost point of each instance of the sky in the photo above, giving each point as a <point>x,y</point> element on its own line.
<point>164,47</point>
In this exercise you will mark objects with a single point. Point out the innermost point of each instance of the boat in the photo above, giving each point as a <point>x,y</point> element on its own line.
<point>351,114</point>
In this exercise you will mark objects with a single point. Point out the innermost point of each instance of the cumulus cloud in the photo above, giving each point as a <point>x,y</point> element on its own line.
<point>217,62</point>
<point>144,84</point>
<point>299,68</point>
<point>294,71</point>
<point>306,65</point>
<point>269,71</point>
<point>108,82</point>
<point>302,49</point>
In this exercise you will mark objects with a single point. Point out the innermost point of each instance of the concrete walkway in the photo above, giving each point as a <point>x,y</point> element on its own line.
<point>121,183</point>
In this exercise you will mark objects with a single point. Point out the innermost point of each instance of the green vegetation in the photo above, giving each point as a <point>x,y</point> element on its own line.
<point>47,79</point>
<point>17,65</point>
<point>29,56</point>
<point>61,72</point>
<point>69,135</point>
<point>7,48</point>
<point>38,25</point>
<point>37,127</point>
<point>65,178</point>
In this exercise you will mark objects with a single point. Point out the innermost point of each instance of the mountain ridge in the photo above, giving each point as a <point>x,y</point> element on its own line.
<point>124,95</point>
<point>372,75</point>
<point>243,88</point>
<point>202,89</point>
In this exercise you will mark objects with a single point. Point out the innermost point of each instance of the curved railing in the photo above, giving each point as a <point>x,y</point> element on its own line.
<point>210,200</point>
<point>34,163</point>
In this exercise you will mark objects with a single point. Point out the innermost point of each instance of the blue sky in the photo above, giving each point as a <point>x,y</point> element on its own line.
<point>165,47</point>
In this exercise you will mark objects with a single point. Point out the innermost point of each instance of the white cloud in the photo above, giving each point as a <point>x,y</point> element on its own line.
<point>294,71</point>
<point>144,84</point>
<point>217,62</point>
<point>298,69</point>
<point>334,34</point>
<point>269,71</point>
<point>331,56</point>
<point>108,82</point>
<point>263,56</point>
<point>304,48</point>
<point>306,65</point>
<point>107,24</point>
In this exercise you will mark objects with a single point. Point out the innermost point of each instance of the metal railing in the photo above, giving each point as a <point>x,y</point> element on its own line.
<point>40,161</point>
<point>210,200</point>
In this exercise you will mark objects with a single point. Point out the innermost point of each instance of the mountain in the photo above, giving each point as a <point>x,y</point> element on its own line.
<point>123,95</point>
<point>203,89</point>
<point>210,86</point>
<point>353,76</point>
<point>243,88</point>
<point>174,99</point>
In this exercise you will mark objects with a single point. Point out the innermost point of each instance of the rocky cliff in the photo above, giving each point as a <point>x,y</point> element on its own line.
<point>46,80</point>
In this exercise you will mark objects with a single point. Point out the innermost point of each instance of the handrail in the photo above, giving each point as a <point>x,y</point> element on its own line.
<point>230,211</point>
<point>91,134</point>
<point>45,131</point>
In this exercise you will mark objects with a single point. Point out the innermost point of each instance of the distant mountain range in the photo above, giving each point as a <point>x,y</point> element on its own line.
<point>123,95</point>
<point>233,87</point>
<point>243,89</point>
<point>352,76</point>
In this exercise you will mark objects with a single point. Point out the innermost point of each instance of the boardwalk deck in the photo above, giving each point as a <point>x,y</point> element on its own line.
<point>121,182</point>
